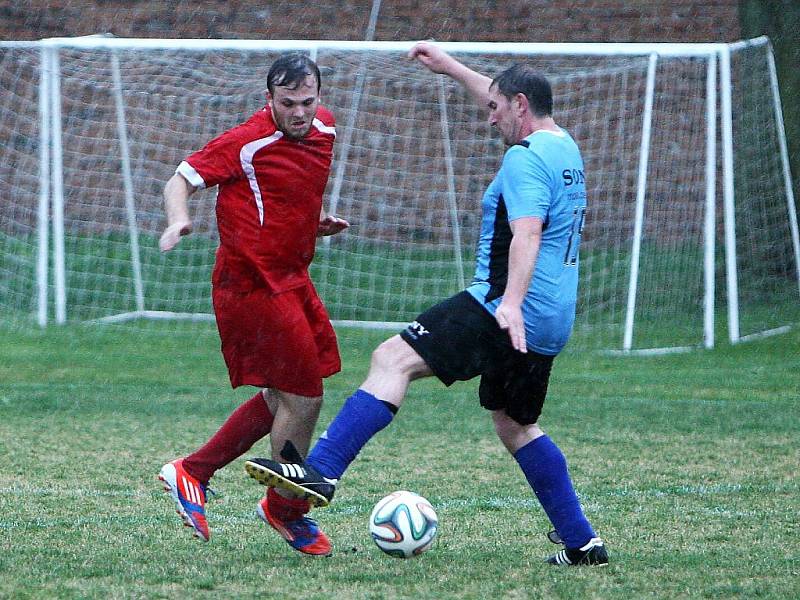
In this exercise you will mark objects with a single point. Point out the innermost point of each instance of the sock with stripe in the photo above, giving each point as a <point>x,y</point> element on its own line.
<point>361,417</point>
<point>546,470</point>
<point>246,425</point>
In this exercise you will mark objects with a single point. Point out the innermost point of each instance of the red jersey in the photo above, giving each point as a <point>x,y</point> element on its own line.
<point>269,199</point>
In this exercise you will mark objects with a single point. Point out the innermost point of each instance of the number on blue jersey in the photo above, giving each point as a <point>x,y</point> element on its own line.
<point>578,217</point>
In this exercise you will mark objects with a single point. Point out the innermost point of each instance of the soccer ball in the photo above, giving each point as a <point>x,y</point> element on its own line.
<point>403,524</point>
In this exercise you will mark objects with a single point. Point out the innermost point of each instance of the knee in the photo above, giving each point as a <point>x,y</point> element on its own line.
<point>514,435</point>
<point>314,404</point>
<point>271,399</point>
<point>504,425</point>
<point>382,357</point>
<point>306,409</point>
<point>394,365</point>
<point>394,356</point>
<point>301,407</point>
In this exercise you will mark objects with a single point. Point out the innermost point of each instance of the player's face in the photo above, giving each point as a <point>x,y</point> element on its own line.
<point>503,116</point>
<point>294,108</point>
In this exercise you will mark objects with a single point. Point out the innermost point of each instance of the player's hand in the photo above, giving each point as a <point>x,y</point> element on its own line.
<point>172,235</point>
<point>510,319</point>
<point>430,55</point>
<point>331,225</point>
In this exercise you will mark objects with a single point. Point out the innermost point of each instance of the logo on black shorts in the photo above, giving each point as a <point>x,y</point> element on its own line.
<point>415,330</point>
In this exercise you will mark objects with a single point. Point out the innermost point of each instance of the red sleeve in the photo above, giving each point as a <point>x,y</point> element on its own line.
<point>218,162</point>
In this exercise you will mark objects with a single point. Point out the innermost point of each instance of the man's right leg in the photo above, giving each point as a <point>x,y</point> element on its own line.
<point>446,340</point>
<point>186,479</point>
<point>370,409</point>
<point>393,366</point>
<point>244,427</point>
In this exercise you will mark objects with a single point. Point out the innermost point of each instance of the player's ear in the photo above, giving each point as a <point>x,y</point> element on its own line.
<point>522,103</point>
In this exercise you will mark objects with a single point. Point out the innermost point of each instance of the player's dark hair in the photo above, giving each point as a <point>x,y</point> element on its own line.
<point>520,79</point>
<point>290,70</point>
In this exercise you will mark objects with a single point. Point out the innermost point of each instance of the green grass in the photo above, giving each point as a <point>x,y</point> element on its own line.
<point>686,464</point>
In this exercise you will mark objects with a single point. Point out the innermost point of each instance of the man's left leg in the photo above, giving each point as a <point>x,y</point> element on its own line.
<point>545,468</point>
<point>514,389</point>
<point>447,335</point>
<point>295,418</point>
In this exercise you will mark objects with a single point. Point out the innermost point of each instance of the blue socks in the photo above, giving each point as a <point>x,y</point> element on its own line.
<point>543,464</point>
<point>545,469</point>
<point>361,417</point>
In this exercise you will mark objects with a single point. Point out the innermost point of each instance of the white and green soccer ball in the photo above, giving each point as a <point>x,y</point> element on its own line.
<point>403,524</point>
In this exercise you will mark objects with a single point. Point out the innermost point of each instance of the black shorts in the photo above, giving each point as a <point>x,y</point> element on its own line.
<point>459,340</point>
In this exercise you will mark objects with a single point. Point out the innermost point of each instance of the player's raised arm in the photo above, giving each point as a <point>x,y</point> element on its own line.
<point>176,205</point>
<point>439,61</point>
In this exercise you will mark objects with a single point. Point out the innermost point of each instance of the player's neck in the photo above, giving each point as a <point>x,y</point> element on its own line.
<point>544,124</point>
<point>535,124</point>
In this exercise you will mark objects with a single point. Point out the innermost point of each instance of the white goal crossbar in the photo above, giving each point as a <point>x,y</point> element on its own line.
<point>518,48</point>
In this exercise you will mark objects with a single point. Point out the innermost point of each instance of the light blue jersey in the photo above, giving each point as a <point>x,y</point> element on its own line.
<point>543,177</point>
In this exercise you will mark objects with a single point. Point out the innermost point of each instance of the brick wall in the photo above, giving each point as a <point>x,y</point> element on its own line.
<point>454,20</point>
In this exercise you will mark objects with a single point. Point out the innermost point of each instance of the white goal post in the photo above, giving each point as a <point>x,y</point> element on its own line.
<point>91,128</point>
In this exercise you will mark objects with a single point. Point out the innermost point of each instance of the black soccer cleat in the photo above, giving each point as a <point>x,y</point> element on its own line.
<point>294,476</point>
<point>593,554</point>
<point>553,536</point>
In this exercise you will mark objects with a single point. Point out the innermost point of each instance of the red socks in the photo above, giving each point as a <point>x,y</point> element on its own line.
<point>246,425</point>
<point>286,509</point>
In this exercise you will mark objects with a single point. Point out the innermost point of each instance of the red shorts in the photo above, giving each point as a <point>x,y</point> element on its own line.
<point>283,341</point>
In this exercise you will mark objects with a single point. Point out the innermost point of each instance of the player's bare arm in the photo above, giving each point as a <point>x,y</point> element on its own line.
<point>523,251</point>
<point>176,205</point>
<point>438,61</point>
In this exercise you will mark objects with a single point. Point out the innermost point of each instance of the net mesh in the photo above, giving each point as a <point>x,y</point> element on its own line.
<point>393,134</point>
<point>765,257</point>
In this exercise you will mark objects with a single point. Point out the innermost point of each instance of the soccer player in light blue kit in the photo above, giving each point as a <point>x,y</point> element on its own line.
<point>507,326</point>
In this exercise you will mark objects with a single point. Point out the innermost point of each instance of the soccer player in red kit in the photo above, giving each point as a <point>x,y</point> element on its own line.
<point>271,172</point>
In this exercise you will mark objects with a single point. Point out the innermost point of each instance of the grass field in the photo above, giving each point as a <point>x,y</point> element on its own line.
<point>686,464</point>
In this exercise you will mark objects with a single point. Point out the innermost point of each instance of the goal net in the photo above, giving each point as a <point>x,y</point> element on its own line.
<point>691,228</point>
